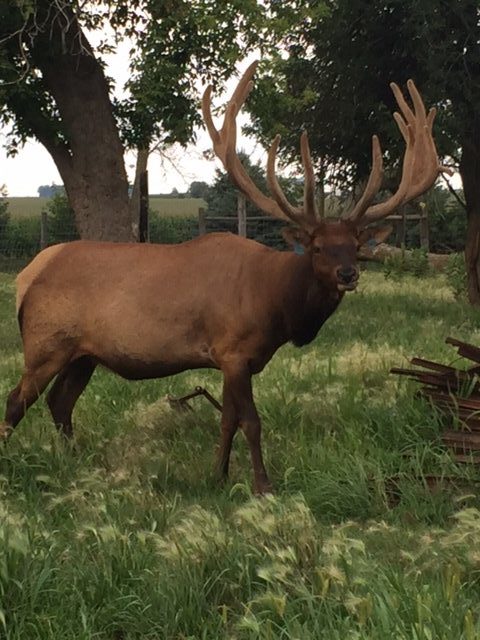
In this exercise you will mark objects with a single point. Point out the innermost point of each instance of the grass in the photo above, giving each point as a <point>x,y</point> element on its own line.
<point>168,207</point>
<point>125,535</point>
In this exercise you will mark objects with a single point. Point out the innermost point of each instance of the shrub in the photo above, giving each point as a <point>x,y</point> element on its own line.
<point>171,230</point>
<point>4,214</point>
<point>456,274</point>
<point>21,238</point>
<point>413,262</point>
<point>61,225</point>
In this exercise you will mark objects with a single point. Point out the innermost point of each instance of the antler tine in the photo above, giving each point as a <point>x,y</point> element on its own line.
<point>235,103</point>
<point>224,144</point>
<point>244,87</point>
<point>420,165</point>
<point>239,175</point>
<point>309,205</point>
<point>373,185</point>
<point>294,213</point>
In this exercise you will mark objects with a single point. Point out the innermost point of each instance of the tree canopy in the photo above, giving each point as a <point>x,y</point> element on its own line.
<point>53,86</point>
<point>332,78</point>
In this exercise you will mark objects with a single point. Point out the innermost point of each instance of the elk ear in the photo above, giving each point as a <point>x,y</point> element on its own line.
<point>296,236</point>
<point>377,235</point>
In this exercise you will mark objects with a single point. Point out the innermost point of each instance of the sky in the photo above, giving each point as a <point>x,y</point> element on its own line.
<point>33,165</point>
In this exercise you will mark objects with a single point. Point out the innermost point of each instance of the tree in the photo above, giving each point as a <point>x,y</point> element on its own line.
<point>4,213</point>
<point>53,87</point>
<point>222,195</point>
<point>49,190</point>
<point>198,189</point>
<point>335,82</point>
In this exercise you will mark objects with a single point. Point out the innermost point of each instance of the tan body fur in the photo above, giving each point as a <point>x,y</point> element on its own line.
<point>144,321</point>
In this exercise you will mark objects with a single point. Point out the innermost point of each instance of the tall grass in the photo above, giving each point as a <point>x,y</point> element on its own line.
<point>125,535</point>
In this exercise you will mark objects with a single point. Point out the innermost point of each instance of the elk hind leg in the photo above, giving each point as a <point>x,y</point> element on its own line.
<point>65,391</point>
<point>32,384</point>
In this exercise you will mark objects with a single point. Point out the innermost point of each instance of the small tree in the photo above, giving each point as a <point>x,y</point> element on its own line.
<point>222,195</point>
<point>60,220</point>
<point>4,217</point>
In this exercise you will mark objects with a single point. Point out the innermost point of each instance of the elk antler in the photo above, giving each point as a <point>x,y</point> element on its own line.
<point>421,165</point>
<point>224,145</point>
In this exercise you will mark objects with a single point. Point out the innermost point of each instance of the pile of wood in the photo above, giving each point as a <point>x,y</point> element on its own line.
<point>456,393</point>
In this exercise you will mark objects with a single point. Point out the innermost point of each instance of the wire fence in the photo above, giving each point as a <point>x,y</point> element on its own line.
<point>21,238</point>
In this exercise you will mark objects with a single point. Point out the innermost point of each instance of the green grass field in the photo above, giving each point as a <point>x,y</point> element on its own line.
<point>125,535</point>
<point>169,207</point>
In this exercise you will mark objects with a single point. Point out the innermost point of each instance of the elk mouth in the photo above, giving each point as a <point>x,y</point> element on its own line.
<point>347,286</point>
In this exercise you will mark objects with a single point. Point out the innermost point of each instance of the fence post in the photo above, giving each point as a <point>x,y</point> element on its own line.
<point>424,230</point>
<point>401,230</point>
<point>202,222</point>
<point>43,230</point>
<point>143,235</point>
<point>242,215</point>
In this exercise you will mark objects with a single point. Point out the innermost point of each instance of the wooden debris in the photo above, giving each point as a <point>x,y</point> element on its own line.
<point>456,393</point>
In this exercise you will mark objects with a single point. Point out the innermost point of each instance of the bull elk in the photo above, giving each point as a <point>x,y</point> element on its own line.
<point>218,301</point>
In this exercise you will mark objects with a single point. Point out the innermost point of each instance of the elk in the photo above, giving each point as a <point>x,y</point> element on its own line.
<point>218,301</point>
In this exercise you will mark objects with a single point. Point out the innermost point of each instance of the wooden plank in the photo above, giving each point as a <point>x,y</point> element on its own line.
<point>435,366</point>
<point>466,459</point>
<point>466,350</point>
<point>463,439</point>
<point>443,382</point>
<point>473,404</point>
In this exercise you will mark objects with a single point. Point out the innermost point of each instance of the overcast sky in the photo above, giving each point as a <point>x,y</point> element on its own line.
<point>33,165</point>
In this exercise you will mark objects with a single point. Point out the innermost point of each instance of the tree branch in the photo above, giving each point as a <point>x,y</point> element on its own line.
<point>454,193</point>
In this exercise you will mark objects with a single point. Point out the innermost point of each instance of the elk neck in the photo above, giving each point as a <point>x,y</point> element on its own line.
<point>306,301</point>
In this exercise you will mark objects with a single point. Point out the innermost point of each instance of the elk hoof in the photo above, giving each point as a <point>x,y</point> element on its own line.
<point>5,431</point>
<point>263,488</point>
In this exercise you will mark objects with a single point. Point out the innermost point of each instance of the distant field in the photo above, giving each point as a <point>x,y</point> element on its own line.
<point>26,207</point>
<point>169,207</point>
<point>182,207</point>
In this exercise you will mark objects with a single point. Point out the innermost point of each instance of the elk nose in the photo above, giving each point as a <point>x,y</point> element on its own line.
<point>346,274</point>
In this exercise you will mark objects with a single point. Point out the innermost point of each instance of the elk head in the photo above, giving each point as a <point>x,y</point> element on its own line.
<point>333,245</point>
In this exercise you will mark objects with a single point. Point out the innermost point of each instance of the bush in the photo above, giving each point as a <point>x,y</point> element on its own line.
<point>456,274</point>
<point>21,238</point>
<point>61,225</point>
<point>171,230</point>
<point>4,214</point>
<point>413,262</point>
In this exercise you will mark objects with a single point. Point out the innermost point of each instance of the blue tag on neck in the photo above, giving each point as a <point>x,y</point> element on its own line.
<point>298,249</point>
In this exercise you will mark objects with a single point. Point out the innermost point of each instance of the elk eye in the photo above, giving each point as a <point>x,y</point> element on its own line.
<point>316,249</point>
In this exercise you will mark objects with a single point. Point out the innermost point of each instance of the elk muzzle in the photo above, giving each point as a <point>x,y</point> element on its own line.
<point>347,278</point>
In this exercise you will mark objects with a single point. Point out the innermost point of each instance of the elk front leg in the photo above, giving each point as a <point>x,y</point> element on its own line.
<point>238,380</point>
<point>229,428</point>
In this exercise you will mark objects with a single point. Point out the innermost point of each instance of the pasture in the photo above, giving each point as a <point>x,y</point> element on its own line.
<point>168,207</point>
<point>125,535</point>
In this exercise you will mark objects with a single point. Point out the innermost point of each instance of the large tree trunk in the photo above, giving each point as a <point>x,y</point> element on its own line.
<point>90,157</point>
<point>470,172</point>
